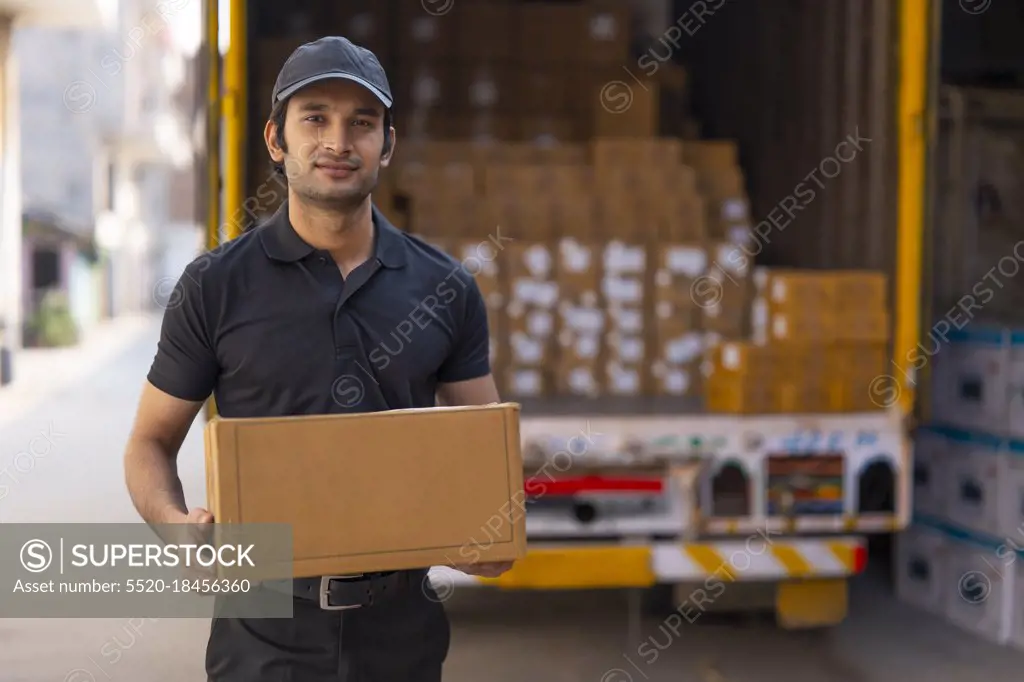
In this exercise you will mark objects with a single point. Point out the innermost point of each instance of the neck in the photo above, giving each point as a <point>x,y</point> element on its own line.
<point>346,234</point>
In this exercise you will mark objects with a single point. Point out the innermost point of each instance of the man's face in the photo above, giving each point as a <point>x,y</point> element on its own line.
<point>334,135</point>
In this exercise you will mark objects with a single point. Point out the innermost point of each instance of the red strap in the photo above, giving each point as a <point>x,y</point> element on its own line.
<point>541,485</point>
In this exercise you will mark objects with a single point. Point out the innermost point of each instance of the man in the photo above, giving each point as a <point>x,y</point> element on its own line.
<point>270,322</point>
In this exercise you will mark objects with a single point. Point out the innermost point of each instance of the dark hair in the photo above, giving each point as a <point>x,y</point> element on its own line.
<point>277,117</point>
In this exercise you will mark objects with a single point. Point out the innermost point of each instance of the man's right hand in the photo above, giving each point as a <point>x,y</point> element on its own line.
<point>194,534</point>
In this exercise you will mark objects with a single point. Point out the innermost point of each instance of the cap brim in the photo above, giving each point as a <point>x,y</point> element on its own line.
<point>295,87</point>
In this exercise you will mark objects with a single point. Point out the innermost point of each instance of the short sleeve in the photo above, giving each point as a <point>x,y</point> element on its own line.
<point>471,353</point>
<point>185,365</point>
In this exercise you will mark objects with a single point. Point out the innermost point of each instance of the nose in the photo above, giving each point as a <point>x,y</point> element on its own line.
<point>334,139</point>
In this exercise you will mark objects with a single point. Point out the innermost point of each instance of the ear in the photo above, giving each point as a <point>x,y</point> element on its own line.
<point>389,150</point>
<point>270,137</point>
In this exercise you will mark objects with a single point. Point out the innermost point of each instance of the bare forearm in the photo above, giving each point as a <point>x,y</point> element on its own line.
<point>151,475</point>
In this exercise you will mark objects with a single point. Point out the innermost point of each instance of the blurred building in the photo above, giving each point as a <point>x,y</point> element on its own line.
<point>105,159</point>
<point>16,15</point>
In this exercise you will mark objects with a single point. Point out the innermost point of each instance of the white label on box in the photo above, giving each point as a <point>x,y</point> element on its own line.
<point>732,259</point>
<point>740,235</point>
<point>539,323</point>
<point>731,356</point>
<point>760,277</point>
<point>677,382</point>
<point>631,350</point>
<point>733,210</point>
<point>626,381</point>
<point>525,290</point>
<point>663,278</point>
<point>547,294</point>
<point>538,260</point>
<point>575,258</point>
<point>589,299</point>
<point>424,29</point>
<point>426,91</point>
<point>587,347</point>
<point>623,290</point>
<point>582,381</point>
<point>622,258</point>
<point>687,260</point>
<point>585,319</point>
<point>483,93</point>
<point>630,320</point>
<point>528,351</point>
<point>779,290</point>
<point>516,308</point>
<point>663,310</point>
<point>759,313</point>
<point>527,382</point>
<point>361,26</point>
<point>780,327</point>
<point>685,349</point>
<point>603,26</point>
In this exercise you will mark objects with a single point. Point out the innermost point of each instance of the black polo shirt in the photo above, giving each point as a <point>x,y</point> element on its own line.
<point>268,325</point>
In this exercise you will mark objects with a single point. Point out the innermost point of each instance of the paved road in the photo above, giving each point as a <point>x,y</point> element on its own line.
<point>578,637</point>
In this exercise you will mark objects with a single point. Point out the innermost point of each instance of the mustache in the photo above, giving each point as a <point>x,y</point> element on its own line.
<point>348,162</point>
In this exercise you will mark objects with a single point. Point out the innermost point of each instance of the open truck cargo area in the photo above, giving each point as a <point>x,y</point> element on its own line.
<point>689,238</point>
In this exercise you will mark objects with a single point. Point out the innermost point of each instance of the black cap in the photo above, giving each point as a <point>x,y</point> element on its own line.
<point>332,57</point>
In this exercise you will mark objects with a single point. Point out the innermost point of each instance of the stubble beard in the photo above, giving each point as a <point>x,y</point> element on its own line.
<point>336,199</point>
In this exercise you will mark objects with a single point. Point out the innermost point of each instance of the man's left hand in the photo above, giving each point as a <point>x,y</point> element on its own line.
<point>485,569</point>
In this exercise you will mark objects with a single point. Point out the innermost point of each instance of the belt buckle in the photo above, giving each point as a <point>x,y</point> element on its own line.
<point>325,593</point>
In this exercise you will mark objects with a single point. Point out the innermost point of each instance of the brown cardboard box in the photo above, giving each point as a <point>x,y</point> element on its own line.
<point>365,23</point>
<point>484,30</point>
<point>711,154</point>
<point>669,379</point>
<point>422,34</point>
<point>488,86</point>
<point>375,491</point>
<point>578,378</point>
<point>740,394</point>
<point>625,109</point>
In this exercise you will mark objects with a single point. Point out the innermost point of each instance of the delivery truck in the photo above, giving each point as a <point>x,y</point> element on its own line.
<point>699,230</point>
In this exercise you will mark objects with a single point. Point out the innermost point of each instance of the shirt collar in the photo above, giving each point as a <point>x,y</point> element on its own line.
<point>281,241</point>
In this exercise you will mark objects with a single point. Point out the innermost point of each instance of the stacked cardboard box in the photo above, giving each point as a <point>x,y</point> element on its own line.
<point>677,341</point>
<point>962,558</point>
<point>818,343</point>
<point>531,317</point>
<point>492,70</point>
<point>721,183</point>
<point>642,288</point>
<point>625,295</point>
<point>582,318</point>
<point>479,258</point>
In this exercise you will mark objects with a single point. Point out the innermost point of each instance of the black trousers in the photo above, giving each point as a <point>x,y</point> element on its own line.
<point>404,638</point>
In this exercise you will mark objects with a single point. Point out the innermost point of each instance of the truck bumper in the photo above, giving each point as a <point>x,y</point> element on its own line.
<point>759,558</point>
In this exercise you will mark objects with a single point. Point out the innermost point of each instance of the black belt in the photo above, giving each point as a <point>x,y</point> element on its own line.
<point>341,592</point>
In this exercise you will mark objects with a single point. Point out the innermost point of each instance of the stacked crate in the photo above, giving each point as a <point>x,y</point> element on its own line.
<point>962,558</point>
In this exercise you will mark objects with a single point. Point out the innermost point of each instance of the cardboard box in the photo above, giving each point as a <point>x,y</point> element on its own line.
<point>970,381</point>
<point>923,576</point>
<point>375,491</point>
<point>985,585</point>
<point>931,467</point>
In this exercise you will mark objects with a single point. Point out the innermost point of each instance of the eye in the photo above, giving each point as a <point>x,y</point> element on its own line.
<point>362,122</point>
<point>315,118</point>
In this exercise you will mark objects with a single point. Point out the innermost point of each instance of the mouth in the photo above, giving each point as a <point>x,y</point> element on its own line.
<point>337,170</point>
